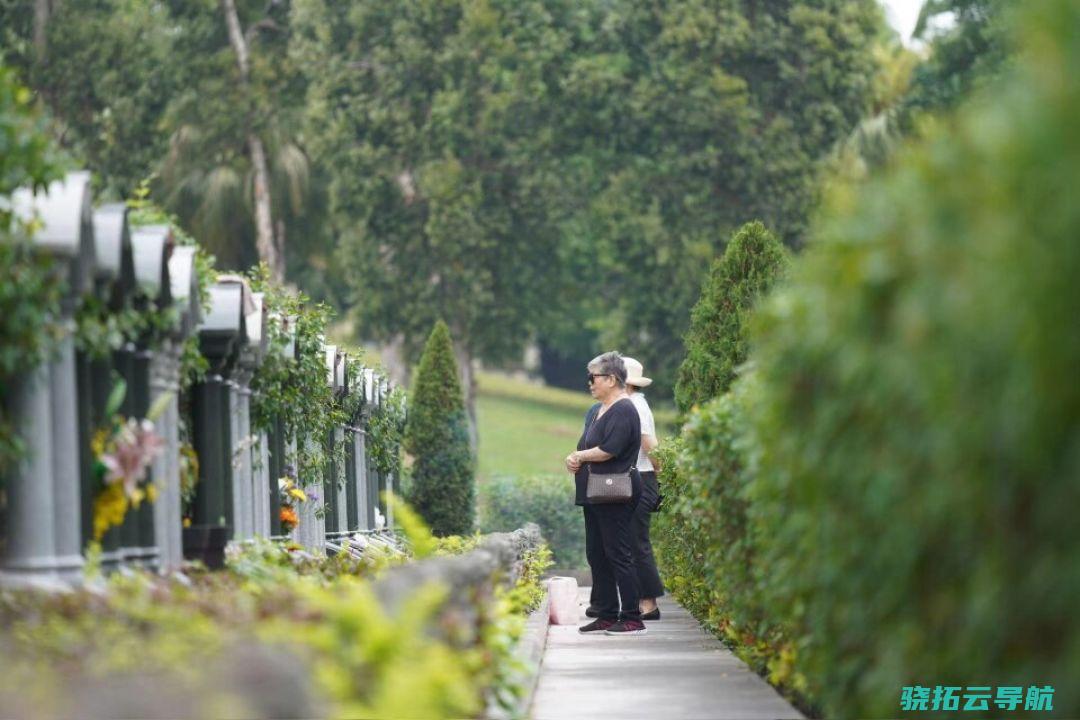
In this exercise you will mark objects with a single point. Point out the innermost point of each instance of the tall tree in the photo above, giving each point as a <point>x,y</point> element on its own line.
<point>697,116</point>
<point>436,435</point>
<point>270,250</point>
<point>431,119</point>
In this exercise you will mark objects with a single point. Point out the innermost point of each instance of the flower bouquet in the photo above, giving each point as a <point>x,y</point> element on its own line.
<point>292,495</point>
<point>123,450</point>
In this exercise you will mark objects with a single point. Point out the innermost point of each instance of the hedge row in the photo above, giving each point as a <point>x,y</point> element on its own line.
<point>888,498</point>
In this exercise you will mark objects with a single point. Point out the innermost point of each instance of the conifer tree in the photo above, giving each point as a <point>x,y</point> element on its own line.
<point>716,341</point>
<point>437,437</point>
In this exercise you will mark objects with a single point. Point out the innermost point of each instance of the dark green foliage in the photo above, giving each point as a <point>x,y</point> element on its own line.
<point>920,411</point>
<point>967,56</point>
<point>716,343</point>
<point>436,435</point>
<point>507,503</point>
<point>693,118</point>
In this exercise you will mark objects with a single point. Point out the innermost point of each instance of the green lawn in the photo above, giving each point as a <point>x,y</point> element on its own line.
<point>527,429</point>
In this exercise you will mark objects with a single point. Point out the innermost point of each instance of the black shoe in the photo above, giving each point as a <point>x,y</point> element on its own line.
<point>596,626</point>
<point>651,615</point>
<point>627,627</point>
<point>592,612</point>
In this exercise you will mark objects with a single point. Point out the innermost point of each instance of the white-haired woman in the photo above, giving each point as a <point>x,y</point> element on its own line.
<point>610,444</point>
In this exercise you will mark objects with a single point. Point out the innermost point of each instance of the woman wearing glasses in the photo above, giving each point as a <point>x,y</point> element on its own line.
<point>610,445</point>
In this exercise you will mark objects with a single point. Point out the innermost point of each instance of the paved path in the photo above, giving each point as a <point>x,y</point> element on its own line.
<point>675,672</point>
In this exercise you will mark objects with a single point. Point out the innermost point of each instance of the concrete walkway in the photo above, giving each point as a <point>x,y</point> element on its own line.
<point>675,672</point>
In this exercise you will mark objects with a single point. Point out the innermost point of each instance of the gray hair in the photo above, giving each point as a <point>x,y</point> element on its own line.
<point>610,363</point>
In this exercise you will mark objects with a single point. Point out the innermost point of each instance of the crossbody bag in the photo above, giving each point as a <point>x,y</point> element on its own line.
<point>609,488</point>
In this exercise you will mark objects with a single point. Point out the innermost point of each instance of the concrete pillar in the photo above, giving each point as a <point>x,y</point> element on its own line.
<point>247,466</point>
<point>67,498</point>
<point>146,553</point>
<point>30,557</point>
<point>312,523</point>
<point>389,496</point>
<point>239,461</point>
<point>341,492</point>
<point>363,497</point>
<point>165,472</point>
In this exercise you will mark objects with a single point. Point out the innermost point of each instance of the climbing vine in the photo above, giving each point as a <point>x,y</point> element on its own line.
<point>293,387</point>
<point>385,431</point>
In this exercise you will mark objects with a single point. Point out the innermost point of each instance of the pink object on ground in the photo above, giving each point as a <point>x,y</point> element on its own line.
<point>563,601</point>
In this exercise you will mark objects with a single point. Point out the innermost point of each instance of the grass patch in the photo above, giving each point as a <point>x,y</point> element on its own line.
<point>521,436</point>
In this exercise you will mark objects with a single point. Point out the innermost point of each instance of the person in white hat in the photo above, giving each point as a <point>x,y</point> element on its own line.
<point>644,561</point>
<point>648,576</point>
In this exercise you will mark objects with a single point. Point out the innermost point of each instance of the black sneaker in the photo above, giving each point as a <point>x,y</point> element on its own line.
<point>597,626</point>
<point>651,615</point>
<point>592,612</point>
<point>627,627</point>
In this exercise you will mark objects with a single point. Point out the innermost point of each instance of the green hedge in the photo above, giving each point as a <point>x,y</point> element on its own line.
<point>705,545</point>
<point>509,502</point>
<point>905,454</point>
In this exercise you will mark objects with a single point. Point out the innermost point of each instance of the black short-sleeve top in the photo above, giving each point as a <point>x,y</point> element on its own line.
<point>616,432</point>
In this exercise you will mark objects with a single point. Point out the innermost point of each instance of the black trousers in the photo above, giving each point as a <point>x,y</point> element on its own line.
<point>609,543</point>
<point>644,562</point>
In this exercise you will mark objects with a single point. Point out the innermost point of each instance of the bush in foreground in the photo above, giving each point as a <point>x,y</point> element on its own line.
<point>919,415</point>
<point>887,499</point>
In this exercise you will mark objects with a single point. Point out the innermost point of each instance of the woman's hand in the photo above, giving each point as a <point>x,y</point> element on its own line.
<point>573,462</point>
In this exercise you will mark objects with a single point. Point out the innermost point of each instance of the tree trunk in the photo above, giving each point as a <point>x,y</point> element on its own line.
<point>264,220</point>
<point>42,12</point>
<point>468,385</point>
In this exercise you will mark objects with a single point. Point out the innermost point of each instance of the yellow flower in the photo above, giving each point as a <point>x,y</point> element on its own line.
<point>151,492</point>
<point>298,494</point>
<point>110,507</point>
<point>187,522</point>
<point>97,443</point>
<point>137,496</point>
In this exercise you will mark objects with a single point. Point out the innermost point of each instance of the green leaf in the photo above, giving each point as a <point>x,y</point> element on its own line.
<point>116,397</point>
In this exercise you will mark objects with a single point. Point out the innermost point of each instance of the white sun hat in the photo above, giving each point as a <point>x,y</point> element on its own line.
<point>633,373</point>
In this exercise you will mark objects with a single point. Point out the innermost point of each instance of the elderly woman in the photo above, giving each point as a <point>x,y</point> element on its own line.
<point>610,444</point>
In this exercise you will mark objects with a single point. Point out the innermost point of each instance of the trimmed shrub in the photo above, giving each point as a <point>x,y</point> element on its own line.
<point>437,436</point>
<point>509,502</point>
<point>716,342</point>
<point>705,545</point>
<point>919,409</point>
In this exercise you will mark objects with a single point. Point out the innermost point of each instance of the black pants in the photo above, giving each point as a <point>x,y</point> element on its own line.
<point>644,562</point>
<point>609,543</point>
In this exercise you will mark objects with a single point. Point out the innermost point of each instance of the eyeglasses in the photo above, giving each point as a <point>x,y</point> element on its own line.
<point>593,376</point>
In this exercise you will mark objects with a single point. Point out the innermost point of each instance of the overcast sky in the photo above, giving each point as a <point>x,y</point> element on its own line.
<point>903,14</point>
